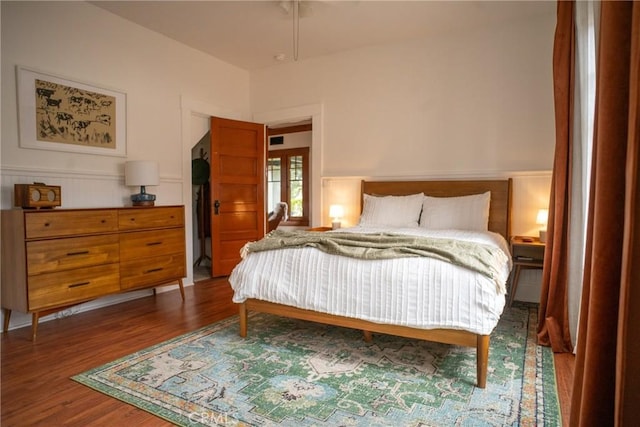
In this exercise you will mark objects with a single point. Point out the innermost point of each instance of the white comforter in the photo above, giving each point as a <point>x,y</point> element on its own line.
<point>418,292</point>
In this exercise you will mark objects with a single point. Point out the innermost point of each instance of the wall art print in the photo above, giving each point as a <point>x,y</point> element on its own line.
<point>65,115</point>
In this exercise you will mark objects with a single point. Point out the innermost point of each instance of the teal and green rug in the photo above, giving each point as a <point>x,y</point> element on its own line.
<point>296,373</point>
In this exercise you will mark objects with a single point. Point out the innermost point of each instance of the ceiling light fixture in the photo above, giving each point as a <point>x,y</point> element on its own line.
<point>298,9</point>
<point>296,28</point>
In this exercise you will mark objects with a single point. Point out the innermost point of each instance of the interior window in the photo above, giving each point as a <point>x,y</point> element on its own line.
<point>274,181</point>
<point>288,181</point>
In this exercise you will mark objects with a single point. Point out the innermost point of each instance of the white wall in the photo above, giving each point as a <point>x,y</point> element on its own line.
<point>82,42</point>
<point>465,102</point>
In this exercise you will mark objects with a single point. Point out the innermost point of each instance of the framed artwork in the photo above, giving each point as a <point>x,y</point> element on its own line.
<point>59,114</point>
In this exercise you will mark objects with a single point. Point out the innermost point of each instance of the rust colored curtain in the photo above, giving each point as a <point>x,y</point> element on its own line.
<point>606,387</point>
<point>553,329</point>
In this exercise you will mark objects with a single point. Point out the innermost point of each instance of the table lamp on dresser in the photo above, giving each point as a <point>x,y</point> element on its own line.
<point>141,173</point>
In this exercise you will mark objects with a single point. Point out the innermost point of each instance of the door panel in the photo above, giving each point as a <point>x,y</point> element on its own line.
<point>237,190</point>
<point>239,221</point>
<point>238,166</point>
<point>232,192</point>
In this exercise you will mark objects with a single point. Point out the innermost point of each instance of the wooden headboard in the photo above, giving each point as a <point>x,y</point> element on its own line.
<point>499,209</point>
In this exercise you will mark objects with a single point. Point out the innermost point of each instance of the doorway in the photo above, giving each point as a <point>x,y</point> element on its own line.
<point>201,207</point>
<point>312,113</point>
<point>195,122</point>
<point>288,174</point>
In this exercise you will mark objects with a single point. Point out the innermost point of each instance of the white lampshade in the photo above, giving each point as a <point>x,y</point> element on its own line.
<point>141,172</point>
<point>542,217</point>
<point>336,211</point>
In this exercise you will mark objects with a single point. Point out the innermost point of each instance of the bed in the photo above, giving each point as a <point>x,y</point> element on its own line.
<point>430,298</point>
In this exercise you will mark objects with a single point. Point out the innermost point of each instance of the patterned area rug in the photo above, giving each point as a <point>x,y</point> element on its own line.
<point>295,373</point>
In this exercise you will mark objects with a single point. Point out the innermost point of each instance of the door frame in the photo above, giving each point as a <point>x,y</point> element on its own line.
<point>193,108</point>
<point>294,114</point>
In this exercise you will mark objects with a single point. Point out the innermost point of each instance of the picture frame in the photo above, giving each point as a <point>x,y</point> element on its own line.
<point>61,114</point>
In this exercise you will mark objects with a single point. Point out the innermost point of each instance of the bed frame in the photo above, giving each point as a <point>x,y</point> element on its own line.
<point>499,222</point>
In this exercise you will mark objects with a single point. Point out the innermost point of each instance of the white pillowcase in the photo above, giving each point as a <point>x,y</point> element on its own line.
<point>391,211</point>
<point>456,213</point>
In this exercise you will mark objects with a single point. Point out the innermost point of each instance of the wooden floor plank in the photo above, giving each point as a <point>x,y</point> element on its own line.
<point>36,384</point>
<point>36,388</point>
<point>564,363</point>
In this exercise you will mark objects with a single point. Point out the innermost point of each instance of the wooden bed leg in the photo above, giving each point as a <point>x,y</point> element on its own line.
<point>242,311</point>
<point>367,336</point>
<point>482,359</point>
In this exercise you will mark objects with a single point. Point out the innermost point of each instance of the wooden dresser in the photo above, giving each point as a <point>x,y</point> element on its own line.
<point>53,259</point>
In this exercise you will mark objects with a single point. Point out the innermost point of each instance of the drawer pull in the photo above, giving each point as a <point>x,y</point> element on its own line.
<point>153,270</point>
<point>77,285</point>
<point>154,243</point>
<point>77,253</point>
<point>46,224</point>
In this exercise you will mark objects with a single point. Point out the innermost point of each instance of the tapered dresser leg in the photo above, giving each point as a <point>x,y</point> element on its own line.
<point>181,288</point>
<point>35,317</point>
<point>7,317</point>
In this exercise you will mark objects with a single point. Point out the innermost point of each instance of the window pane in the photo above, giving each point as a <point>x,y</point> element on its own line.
<point>274,182</point>
<point>295,183</point>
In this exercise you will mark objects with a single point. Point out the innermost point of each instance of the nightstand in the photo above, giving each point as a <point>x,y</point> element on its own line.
<point>527,252</point>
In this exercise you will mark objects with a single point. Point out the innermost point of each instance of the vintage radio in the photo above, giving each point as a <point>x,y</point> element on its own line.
<point>36,195</point>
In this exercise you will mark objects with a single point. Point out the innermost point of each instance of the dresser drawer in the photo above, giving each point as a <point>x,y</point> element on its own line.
<point>140,218</point>
<point>151,243</point>
<point>73,286</point>
<point>69,223</point>
<point>48,256</point>
<point>148,271</point>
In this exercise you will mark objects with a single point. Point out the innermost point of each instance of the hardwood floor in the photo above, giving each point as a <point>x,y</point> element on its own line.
<point>36,385</point>
<point>564,363</point>
<point>36,389</point>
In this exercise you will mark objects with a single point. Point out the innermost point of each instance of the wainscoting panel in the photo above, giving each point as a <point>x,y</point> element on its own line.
<point>87,189</point>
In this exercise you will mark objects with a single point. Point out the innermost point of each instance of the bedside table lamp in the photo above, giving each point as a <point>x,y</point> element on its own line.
<point>141,173</point>
<point>541,219</point>
<point>336,212</point>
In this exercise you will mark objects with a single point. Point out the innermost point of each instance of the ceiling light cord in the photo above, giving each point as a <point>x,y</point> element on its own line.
<point>296,28</point>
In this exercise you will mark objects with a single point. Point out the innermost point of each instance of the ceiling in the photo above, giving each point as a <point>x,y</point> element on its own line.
<point>250,34</point>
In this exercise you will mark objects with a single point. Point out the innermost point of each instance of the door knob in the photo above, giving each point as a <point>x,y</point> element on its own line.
<point>216,207</point>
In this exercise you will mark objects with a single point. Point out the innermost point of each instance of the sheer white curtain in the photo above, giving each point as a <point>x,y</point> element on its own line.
<point>587,13</point>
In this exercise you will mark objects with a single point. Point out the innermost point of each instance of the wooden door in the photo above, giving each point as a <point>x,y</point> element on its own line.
<point>237,190</point>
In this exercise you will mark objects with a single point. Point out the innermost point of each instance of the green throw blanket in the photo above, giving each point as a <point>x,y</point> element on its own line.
<point>481,258</point>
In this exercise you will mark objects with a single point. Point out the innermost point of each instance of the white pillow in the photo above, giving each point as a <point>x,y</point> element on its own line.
<point>458,213</point>
<point>391,211</point>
